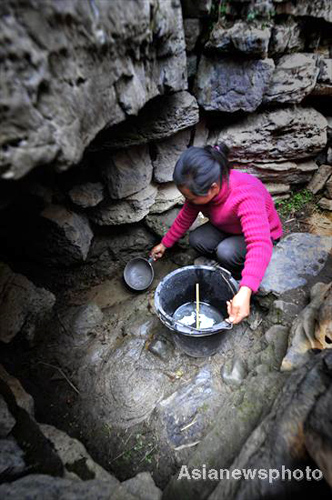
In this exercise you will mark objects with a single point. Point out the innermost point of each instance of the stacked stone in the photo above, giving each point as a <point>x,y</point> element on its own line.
<point>123,75</point>
<point>321,182</point>
<point>261,62</point>
<point>118,92</point>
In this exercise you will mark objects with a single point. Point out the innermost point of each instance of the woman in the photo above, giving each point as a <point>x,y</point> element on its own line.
<point>243,222</point>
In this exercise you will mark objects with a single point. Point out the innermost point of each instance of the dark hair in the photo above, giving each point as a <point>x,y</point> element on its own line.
<point>198,168</point>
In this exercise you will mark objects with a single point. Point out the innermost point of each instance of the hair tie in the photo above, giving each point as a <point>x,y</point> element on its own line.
<point>217,147</point>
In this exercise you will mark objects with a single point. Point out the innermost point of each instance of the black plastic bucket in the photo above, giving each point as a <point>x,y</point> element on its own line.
<point>216,286</point>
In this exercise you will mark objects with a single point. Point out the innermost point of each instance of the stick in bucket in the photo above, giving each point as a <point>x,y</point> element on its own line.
<point>197,306</point>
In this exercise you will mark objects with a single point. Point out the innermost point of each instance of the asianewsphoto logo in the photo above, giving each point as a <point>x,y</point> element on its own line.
<point>283,474</point>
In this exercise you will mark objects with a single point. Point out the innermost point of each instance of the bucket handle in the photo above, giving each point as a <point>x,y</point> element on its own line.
<point>229,278</point>
<point>225,271</point>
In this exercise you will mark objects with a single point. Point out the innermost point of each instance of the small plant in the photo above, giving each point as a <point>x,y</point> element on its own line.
<point>219,10</point>
<point>268,18</point>
<point>296,202</point>
<point>271,14</point>
<point>139,442</point>
<point>149,454</point>
<point>223,6</point>
<point>252,15</point>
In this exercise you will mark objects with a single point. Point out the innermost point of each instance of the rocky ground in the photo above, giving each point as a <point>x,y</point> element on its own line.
<point>106,371</point>
<point>99,101</point>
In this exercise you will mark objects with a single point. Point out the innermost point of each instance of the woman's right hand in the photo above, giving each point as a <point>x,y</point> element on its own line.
<point>158,251</point>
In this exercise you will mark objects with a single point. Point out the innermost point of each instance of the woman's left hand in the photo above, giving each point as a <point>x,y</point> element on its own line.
<point>239,307</point>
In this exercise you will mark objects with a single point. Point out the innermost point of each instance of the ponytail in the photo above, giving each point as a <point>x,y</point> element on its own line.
<point>221,152</point>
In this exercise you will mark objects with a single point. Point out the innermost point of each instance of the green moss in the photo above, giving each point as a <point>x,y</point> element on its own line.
<point>247,410</point>
<point>219,10</point>
<point>204,407</point>
<point>296,202</point>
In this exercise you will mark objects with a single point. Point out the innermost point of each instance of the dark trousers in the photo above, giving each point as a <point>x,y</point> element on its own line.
<point>229,250</point>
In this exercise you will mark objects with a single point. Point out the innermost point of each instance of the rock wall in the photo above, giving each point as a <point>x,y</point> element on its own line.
<point>261,65</point>
<point>113,92</point>
<point>116,91</point>
<point>99,99</point>
<point>73,68</point>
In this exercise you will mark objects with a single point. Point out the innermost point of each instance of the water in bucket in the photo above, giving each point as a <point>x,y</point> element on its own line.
<point>208,315</point>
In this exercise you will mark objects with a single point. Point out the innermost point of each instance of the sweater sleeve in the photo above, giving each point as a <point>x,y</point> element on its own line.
<point>181,224</point>
<point>256,230</point>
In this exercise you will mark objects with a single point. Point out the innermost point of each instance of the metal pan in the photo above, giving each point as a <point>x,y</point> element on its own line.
<point>138,274</point>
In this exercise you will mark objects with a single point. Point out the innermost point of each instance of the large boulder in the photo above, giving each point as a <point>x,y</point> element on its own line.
<point>241,37</point>
<point>195,401</point>
<point>286,37</point>
<point>296,258</point>
<point>133,208</point>
<point>125,379</point>
<point>127,171</point>
<point>316,428</point>
<point>87,195</point>
<point>278,135</point>
<point>232,84</point>
<point>133,240</point>
<point>319,179</point>
<point>311,329</point>
<point>39,486</point>
<point>175,112</point>
<point>201,134</point>
<point>325,204</point>
<point>161,223</point>
<point>294,78</point>
<point>279,445</point>
<point>167,197</point>
<point>242,409</point>
<point>73,68</point>
<point>275,188</point>
<point>284,172</point>
<point>166,153</point>
<point>322,9</point>
<point>65,238</point>
<point>142,487</point>
<point>328,187</point>
<point>74,455</point>
<point>324,80</point>
<point>23,306</point>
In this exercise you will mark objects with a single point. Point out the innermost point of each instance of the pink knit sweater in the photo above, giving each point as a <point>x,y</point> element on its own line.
<point>244,206</point>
